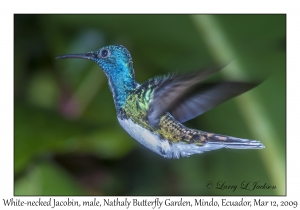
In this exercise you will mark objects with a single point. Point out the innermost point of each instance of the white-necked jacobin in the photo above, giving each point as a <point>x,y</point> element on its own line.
<point>152,112</point>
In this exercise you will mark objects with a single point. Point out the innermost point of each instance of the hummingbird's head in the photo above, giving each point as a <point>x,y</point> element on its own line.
<point>115,60</point>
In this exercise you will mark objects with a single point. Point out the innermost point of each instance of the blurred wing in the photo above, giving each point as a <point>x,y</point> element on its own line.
<point>207,97</point>
<point>170,89</point>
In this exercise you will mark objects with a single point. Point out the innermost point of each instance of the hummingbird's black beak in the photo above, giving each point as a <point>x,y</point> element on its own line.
<point>88,56</point>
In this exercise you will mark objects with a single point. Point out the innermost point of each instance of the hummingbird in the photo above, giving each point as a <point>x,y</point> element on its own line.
<point>153,112</point>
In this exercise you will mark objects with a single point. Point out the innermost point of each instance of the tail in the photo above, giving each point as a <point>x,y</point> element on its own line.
<point>232,142</point>
<point>212,142</point>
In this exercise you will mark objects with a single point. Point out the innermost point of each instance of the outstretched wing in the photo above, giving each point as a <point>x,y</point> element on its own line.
<point>207,97</point>
<point>174,94</point>
<point>169,89</point>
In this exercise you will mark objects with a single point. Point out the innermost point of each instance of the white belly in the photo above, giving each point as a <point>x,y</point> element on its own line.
<point>162,146</point>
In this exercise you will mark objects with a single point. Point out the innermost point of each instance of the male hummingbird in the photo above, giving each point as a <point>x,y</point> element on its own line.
<point>152,112</point>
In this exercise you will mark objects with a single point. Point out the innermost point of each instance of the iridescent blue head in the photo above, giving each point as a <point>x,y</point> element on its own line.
<point>116,62</point>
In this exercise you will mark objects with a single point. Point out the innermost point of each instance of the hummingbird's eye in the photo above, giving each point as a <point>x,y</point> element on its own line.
<point>104,53</point>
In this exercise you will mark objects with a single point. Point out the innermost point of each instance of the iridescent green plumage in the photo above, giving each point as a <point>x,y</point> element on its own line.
<point>136,107</point>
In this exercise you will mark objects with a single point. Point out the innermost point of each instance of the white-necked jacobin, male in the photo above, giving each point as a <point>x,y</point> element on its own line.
<point>152,112</point>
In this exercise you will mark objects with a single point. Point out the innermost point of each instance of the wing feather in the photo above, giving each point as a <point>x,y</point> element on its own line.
<point>207,97</point>
<point>169,90</point>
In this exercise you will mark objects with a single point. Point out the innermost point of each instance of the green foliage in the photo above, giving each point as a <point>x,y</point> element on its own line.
<point>47,179</point>
<point>67,140</point>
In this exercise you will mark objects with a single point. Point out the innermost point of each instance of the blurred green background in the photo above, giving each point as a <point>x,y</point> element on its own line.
<point>67,140</point>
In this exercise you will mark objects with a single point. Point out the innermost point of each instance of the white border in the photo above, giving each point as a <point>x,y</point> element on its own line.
<point>156,6</point>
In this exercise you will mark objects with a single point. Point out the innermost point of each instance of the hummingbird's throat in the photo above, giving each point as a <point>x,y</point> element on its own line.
<point>121,89</point>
